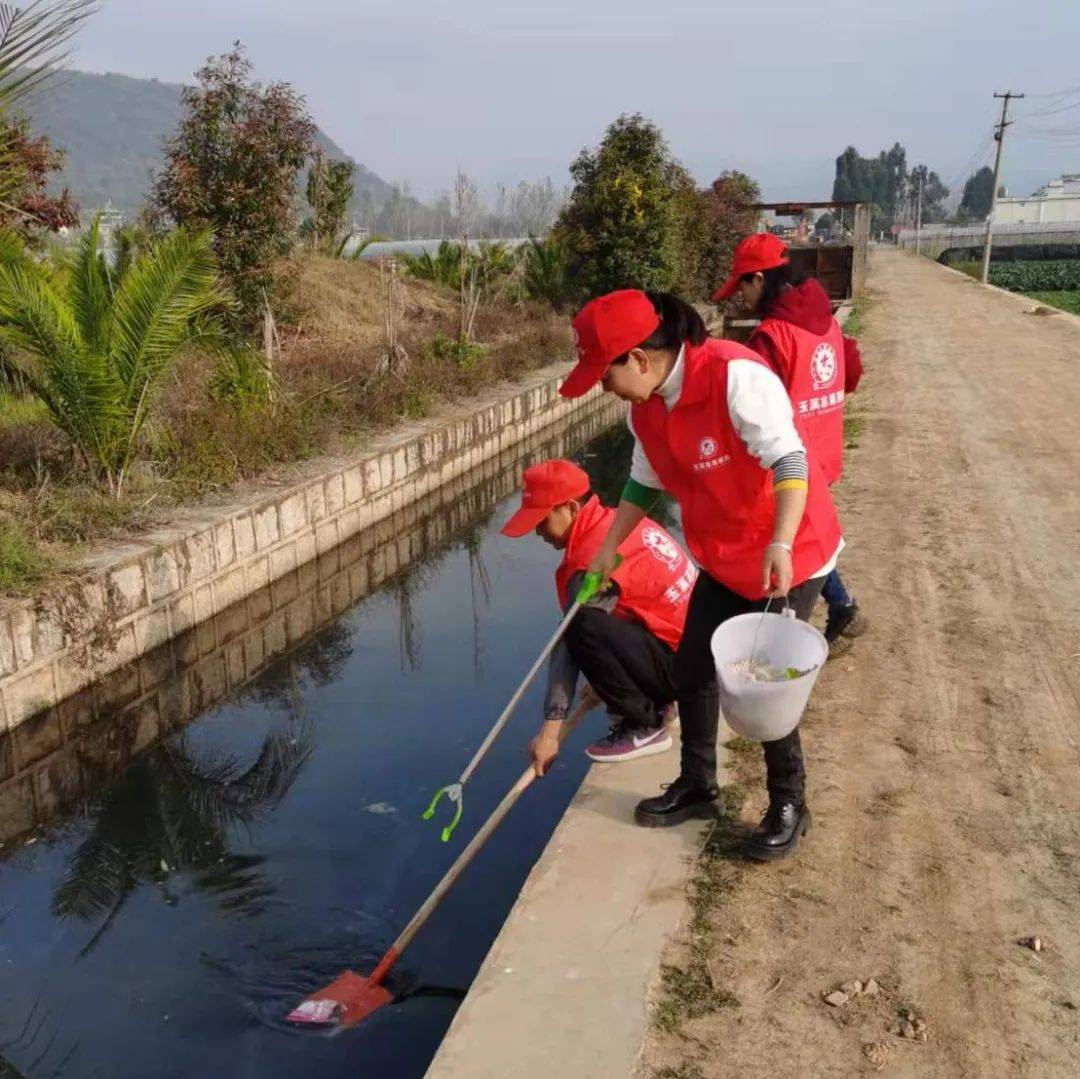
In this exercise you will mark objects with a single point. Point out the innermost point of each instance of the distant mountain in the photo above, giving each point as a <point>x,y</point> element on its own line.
<point>112,128</point>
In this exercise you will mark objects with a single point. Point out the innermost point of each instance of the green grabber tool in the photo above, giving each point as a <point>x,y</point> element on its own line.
<point>453,790</point>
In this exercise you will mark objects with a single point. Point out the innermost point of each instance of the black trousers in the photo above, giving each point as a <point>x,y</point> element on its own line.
<point>632,671</point>
<point>699,704</point>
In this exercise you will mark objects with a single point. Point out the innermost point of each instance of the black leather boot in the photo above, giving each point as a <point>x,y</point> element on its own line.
<point>779,832</point>
<point>680,801</point>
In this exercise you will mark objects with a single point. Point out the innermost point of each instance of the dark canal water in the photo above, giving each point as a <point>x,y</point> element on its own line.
<point>163,926</point>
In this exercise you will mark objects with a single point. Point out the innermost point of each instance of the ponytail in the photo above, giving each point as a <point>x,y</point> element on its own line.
<point>679,324</point>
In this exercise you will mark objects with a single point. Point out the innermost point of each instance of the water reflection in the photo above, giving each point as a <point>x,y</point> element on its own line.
<point>213,872</point>
<point>52,760</point>
<point>170,813</point>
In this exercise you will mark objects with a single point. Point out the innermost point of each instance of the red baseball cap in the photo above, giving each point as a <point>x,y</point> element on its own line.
<point>758,251</point>
<point>605,329</point>
<point>545,486</point>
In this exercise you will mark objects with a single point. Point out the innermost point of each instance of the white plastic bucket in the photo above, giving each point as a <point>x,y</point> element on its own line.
<point>765,711</point>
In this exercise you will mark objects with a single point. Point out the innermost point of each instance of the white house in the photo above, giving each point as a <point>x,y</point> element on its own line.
<point>1057,202</point>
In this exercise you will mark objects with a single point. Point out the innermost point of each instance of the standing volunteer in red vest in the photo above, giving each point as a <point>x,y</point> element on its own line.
<point>623,641</point>
<point>819,366</point>
<point>713,426</point>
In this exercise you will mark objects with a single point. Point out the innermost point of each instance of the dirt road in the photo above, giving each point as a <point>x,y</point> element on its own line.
<point>944,747</point>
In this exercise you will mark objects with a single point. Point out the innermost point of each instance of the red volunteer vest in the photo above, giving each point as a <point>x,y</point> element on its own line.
<point>655,577</point>
<point>815,383</point>
<point>725,495</point>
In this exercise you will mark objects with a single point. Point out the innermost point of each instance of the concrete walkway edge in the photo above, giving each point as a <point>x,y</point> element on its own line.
<point>565,988</point>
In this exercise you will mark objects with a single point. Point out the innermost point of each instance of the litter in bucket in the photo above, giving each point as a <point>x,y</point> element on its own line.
<point>766,667</point>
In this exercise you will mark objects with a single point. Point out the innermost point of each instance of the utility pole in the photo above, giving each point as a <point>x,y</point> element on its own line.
<point>999,135</point>
<point>918,218</point>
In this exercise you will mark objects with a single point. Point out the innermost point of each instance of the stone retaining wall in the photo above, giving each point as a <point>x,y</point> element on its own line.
<point>130,600</point>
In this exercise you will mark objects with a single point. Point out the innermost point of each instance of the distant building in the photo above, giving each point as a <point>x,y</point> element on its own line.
<point>1056,202</point>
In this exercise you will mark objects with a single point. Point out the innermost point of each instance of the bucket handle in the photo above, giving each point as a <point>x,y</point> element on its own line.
<point>788,612</point>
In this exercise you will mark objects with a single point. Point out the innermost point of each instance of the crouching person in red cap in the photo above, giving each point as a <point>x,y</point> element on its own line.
<point>714,427</point>
<point>623,641</point>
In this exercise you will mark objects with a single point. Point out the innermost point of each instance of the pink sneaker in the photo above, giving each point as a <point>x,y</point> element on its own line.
<point>628,745</point>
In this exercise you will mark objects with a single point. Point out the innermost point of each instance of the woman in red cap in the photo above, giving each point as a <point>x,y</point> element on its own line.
<point>714,427</point>
<point>624,639</point>
<point>816,362</point>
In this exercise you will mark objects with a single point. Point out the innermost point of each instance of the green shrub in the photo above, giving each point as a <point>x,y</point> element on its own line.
<point>545,272</point>
<point>241,375</point>
<point>1053,275</point>
<point>21,561</point>
<point>459,350</point>
<point>444,267</point>
<point>491,262</point>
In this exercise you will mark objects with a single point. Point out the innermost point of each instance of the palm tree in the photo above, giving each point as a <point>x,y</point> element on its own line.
<point>444,267</point>
<point>94,348</point>
<point>545,271</point>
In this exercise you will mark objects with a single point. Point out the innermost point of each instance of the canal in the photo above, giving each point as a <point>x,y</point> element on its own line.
<point>188,892</point>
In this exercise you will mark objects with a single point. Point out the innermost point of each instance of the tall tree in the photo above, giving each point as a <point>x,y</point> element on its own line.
<point>881,181</point>
<point>622,224</point>
<point>329,192</point>
<point>233,167</point>
<point>934,194</point>
<point>729,215</point>
<point>978,194</point>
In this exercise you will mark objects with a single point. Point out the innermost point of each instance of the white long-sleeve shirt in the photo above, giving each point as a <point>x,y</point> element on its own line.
<point>760,412</point>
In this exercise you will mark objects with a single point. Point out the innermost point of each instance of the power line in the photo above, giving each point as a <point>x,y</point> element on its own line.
<point>977,158</point>
<point>1057,93</point>
<point>1040,113</point>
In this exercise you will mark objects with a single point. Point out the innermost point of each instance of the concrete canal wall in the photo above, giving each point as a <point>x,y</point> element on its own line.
<point>130,600</point>
<point>55,757</point>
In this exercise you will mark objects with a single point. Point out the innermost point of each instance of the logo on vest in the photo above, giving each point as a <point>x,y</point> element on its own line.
<point>707,451</point>
<point>661,547</point>
<point>823,366</point>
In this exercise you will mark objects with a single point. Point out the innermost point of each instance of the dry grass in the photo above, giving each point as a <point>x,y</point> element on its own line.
<point>335,310</point>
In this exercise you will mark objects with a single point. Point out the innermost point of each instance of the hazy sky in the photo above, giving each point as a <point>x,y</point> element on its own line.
<point>414,88</point>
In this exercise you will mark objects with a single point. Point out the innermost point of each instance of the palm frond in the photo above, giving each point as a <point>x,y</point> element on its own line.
<point>98,877</point>
<point>74,382</point>
<point>155,304</point>
<point>12,248</point>
<point>339,249</point>
<point>32,40</point>
<point>152,314</point>
<point>220,793</point>
<point>88,289</point>
<point>126,245</point>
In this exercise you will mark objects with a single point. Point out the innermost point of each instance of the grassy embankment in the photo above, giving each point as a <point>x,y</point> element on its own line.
<point>198,447</point>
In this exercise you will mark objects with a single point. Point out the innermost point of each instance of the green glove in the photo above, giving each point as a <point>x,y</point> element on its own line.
<point>592,583</point>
